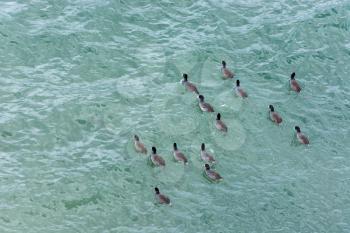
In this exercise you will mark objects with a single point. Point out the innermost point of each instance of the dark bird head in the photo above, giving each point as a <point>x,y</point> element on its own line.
<point>237,83</point>
<point>156,190</point>
<point>185,76</point>
<point>154,150</point>
<point>292,76</point>
<point>223,64</point>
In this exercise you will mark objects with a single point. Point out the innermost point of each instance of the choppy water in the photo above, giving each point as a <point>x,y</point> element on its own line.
<point>79,78</point>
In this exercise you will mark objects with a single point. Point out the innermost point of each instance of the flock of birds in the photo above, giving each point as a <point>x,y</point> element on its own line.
<point>157,160</point>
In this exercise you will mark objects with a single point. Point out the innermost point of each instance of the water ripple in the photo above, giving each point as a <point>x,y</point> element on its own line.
<point>80,78</point>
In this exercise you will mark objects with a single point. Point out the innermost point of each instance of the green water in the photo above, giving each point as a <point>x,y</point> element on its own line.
<point>78,78</point>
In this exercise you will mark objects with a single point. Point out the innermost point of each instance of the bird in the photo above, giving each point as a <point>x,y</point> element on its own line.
<point>294,84</point>
<point>189,86</point>
<point>139,146</point>
<point>212,175</point>
<point>178,155</point>
<point>156,159</point>
<point>205,107</point>
<point>205,156</point>
<point>226,72</point>
<point>161,198</point>
<point>219,124</point>
<point>274,116</point>
<point>239,91</point>
<point>301,137</point>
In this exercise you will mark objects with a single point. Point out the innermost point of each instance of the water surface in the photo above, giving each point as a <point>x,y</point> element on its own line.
<point>79,78</point>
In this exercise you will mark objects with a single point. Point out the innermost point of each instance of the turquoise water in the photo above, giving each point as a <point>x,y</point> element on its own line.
<point>79,78</point>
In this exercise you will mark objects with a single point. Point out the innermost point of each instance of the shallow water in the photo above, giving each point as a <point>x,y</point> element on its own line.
<point>79,78</point>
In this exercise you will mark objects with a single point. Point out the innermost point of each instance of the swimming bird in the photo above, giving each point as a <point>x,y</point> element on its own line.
<point>139,146</point>
<point>178,155</point>
<point>294,84</point>
<point>239,91</point>
<point>219,124</point>
<point>161,198</point>
<point>156,159</point>
<point>226,72</point>
<point>212,175</point>
<point>205,156</point>
<point>301,137</point>
<point>205,107</point>
<point>190,86</point>
<point>274,116</point>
